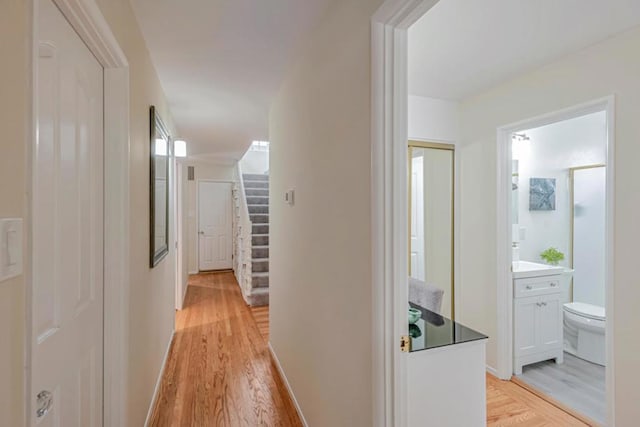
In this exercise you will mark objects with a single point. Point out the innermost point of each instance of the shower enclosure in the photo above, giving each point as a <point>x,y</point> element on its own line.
<point>588,201</point>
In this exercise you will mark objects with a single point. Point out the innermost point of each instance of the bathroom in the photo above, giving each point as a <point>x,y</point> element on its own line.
<point>559,199</point>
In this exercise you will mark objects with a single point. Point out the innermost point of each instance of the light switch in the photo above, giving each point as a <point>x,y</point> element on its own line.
<point>289,197</point>
<point>10,248</point>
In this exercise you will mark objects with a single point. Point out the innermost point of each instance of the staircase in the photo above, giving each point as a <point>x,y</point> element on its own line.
<point>256,189</point>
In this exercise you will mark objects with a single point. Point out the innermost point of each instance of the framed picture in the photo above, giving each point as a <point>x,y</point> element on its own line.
<point>160,143</point>
<point>542,194</point>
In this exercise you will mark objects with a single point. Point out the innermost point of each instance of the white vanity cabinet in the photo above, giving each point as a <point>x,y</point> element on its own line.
<point>537,316</point>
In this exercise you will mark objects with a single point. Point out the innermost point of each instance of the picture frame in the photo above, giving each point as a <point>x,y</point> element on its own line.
<point>159,149</point>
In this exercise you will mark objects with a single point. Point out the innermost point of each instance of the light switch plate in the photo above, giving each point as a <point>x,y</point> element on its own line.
<point>10,248</point>
<point>289,197</point>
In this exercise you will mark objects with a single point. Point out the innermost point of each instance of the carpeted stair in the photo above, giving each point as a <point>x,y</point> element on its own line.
<point>256,189</point>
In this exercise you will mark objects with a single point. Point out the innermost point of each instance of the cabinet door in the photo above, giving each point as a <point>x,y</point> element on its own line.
<point>526,335</point>
<point>550,322</point>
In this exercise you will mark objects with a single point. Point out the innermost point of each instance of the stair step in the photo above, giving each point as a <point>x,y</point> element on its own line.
<point>257,192</point>
<point>260,280</point>
<point>260,229</point>
<point>256,184</point>
<point>260,252</point>
<point>257,200</point>
<point>259,218</point>
<point>254,177</point>
<point>260,265</point>
<point>255,209</point>
<point>260,239</point>
<point>259,297</point>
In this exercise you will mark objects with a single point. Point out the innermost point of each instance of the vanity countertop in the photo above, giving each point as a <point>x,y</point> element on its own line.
<point>433,330</point>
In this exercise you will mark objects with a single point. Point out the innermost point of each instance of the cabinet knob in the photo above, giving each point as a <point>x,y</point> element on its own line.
<point>554,284</point>
<point>529,287</point>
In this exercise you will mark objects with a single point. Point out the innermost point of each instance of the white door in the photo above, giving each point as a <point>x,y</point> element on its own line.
<point>417,218</point>
<point>214,226</point>
<point>67,313</point>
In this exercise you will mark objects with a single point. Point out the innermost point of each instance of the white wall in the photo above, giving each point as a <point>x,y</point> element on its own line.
<point>320,278</point>
<point>610,67</point>
<point>14,117</point>
<point>151,297</point>
<point>226,173</point>
<point>432,119</point>
<point>550,152</point>
<point>255,162</point>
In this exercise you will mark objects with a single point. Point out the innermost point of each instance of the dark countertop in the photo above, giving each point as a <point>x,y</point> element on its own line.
<point>433,330</point>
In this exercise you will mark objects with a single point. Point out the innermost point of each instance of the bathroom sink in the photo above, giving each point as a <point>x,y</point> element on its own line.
<point>523,269</point>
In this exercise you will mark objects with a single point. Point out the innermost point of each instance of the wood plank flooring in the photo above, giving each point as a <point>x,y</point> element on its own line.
<point>219,371</point>
<point>508,404</point>
<point>576,383</point>
<point>261,316</point>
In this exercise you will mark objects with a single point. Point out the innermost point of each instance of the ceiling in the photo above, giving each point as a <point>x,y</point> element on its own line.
<point>220,62</point>
<point>462,47</point>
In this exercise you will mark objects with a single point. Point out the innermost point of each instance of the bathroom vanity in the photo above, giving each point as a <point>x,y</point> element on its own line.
<point>537,314</point>
<point>446,373</point>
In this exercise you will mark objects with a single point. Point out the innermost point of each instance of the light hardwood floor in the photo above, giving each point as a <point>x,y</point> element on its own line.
<point>508,404</point>
<point>219,371</point>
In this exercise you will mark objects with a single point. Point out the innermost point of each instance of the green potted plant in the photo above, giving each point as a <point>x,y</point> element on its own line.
<point>552,256</point>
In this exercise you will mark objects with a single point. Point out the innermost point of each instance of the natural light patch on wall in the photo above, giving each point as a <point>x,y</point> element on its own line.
<point>259,146</point>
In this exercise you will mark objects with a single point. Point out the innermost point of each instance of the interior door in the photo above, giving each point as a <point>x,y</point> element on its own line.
<point>417,218</point>
<point>67,301</point>
<point>214,226</point>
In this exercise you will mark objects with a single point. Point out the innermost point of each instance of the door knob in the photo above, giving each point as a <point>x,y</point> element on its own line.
<point>44,402</point>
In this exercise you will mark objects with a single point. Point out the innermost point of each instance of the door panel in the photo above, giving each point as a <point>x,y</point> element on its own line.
<point>215,228</point>
<point>67,323</point>
<point>550,321</point>
<point>526,335</point>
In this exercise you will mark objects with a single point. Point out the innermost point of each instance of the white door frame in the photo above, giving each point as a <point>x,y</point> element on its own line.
<point>389,207</point>
<point>198,181</point>
<point>178,206</point>
<point>87,20</point>
<point>504,336</point>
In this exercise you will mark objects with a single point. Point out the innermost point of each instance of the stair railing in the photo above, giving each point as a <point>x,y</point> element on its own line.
<point>243,236</point>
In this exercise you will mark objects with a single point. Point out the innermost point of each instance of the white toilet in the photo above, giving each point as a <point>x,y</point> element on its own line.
<point>584,328</point>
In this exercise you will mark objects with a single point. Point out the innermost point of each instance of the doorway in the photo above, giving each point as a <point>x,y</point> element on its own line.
<point>215,228</point>
<point>556,200</point>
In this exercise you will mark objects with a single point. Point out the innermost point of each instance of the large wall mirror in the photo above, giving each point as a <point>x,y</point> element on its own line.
<point>431,226</point>
<point>159,188</point>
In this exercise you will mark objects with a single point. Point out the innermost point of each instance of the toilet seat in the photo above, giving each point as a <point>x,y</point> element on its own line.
<point>586,310</point>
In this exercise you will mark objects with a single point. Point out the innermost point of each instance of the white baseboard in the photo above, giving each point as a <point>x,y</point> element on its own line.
<point>286,383</point>
<point>193,272</point>
<point>493,371</point>
<point>156,390</point>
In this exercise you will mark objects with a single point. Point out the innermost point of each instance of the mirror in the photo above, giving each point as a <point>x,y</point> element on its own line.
<point>159,188</point>
<point>515,178</point>
<point>431,210</point>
